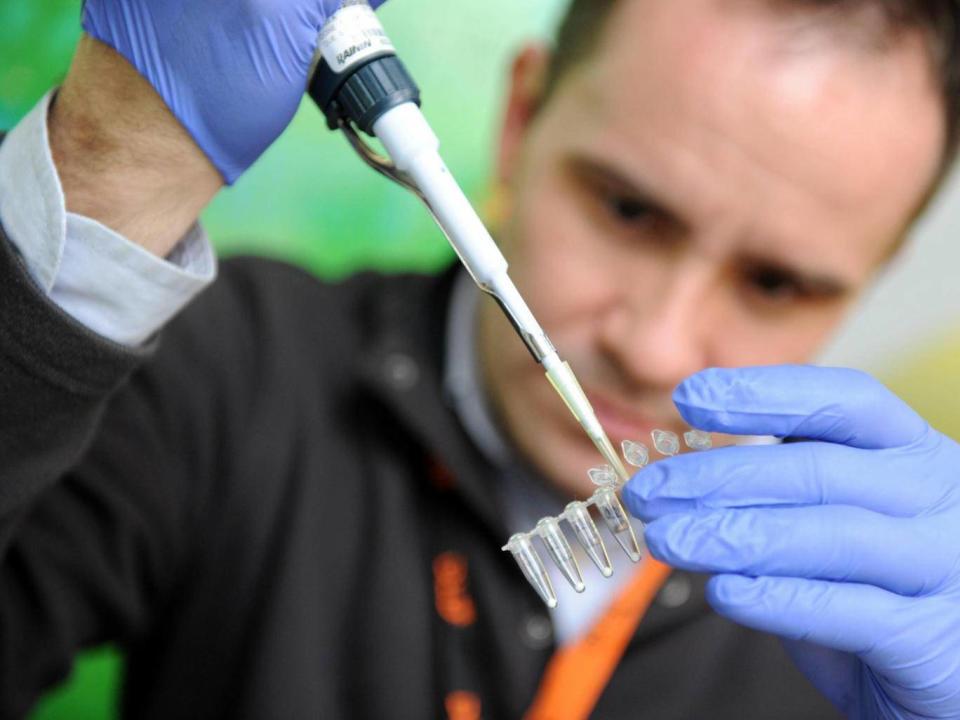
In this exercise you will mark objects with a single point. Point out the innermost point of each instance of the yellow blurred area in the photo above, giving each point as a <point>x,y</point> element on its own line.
<point>930,382</point>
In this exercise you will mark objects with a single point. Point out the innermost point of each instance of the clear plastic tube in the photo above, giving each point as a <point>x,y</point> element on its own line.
<point>617,521</point>
<point>530,563</point>
<point>560,551</point>
<point>578,515</point>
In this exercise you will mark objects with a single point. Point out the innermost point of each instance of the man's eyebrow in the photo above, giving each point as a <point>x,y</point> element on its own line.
<point>601,172</point>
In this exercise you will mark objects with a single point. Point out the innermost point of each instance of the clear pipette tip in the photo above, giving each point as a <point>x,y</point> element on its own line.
<point>565,383</point>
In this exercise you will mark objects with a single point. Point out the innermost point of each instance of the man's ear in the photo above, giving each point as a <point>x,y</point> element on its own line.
<point>528,78</point>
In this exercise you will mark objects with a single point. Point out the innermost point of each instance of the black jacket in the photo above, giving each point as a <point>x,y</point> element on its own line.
<point>251,507</point>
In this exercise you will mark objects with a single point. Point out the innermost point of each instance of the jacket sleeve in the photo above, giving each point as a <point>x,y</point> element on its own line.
<point>101,460</point>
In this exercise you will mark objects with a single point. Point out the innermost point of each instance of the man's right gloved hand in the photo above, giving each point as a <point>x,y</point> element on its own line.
<point>233,72</point>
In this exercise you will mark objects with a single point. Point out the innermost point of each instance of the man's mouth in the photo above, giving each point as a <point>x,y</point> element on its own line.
<point>625,423</point>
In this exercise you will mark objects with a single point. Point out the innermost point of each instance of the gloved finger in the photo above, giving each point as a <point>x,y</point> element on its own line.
<point>837,675</point>
<point>831,404</point>
<point>830,542</point>
<point>901,482</point>
<point>842,616</point>
<point>909,643</point>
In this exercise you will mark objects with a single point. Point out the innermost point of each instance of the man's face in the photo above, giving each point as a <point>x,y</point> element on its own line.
<point>711,188</point>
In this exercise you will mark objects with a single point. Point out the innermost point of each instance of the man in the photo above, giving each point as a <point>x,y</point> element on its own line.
<point>291,504</point>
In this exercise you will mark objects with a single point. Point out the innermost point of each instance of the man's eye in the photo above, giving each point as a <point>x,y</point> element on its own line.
<point>629,210</point>
<point>774,284</point>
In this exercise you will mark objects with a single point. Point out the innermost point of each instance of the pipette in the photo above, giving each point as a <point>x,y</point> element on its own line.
<point>361,85</point>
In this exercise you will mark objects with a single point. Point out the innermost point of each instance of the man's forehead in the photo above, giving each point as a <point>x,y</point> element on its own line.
<point>716,54</point>
<point>726,83</point>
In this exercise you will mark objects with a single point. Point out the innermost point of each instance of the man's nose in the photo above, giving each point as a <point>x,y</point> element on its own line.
<point>657,333</point>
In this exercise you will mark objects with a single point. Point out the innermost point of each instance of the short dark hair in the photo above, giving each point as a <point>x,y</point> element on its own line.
<point>938,20</point>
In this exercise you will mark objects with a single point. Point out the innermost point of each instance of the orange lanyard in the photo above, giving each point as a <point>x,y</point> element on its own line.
<point>577,674</point>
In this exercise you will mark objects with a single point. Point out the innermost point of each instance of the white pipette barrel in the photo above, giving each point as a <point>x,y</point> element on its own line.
<point>414,149</point>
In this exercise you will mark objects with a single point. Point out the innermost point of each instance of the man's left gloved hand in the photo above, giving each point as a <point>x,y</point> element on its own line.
<point>847,544</point>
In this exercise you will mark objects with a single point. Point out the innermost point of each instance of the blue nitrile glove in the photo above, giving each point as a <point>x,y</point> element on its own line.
<point>847,544</point>
<point>232,71</point>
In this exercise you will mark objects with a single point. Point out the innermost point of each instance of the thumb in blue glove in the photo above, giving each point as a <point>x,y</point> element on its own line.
<point>846,544</point>
<point>233,72</point>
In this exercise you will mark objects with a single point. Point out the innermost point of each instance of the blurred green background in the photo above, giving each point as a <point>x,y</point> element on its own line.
<point>310,201</point>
